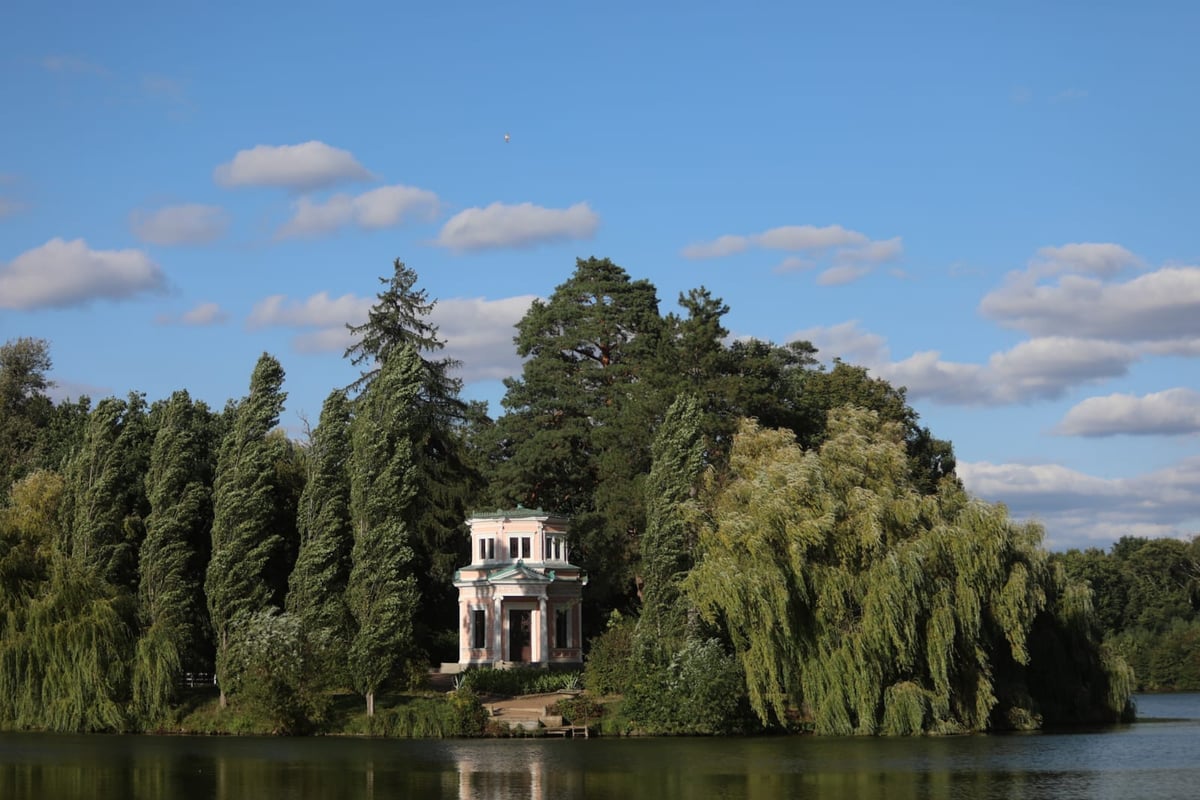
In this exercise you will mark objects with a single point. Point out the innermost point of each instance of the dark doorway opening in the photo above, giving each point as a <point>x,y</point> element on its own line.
<point>520,640</point>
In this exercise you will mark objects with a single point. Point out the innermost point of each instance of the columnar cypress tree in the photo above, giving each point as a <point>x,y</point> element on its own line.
<point>383,595</point>
<point>171,568</point>
<point>317,587</point>
<point>243,541</point>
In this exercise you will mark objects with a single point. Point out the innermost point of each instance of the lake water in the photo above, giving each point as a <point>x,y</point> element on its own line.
<point>1158,757</point>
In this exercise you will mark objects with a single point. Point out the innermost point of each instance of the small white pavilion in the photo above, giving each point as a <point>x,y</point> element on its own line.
<point>519,598</point>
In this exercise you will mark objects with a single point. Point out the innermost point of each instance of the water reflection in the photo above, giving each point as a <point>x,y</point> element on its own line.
<point>1150,759</point>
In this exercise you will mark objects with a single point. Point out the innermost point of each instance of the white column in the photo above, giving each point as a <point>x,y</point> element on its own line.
<point>543,631</point>
<point>497,629</point>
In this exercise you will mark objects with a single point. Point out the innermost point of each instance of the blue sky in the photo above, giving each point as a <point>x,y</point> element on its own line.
<point>993,204</point>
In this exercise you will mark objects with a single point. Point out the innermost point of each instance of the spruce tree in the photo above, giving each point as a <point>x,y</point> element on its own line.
<point>382,593</point>
<point>447,482</point>
<point>243,540</point>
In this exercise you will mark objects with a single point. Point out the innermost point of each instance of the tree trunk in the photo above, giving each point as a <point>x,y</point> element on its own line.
<point>222,702</point>
<point>370,704</point>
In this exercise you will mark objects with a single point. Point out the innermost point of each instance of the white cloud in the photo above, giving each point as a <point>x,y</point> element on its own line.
<point>524,225</point>
<point>795,264</point>
<point>848,342</point>
<point>300,167</point>
<point>1166,413</point>
<point>477,331</point>
<point>808,237</point>
<point>877,252</point>
<point>854,254</point>
<point>1036,369</point>
<point>718,248</point>
<point>384,207</point>
<point>1103,259</point>
<point>1080,510</point>
<point>1164,304</point>
<point>318,311</point>
<point>61,274</point>
<point>201,315</point>
<point>843,274</point>
<point>184,224</point>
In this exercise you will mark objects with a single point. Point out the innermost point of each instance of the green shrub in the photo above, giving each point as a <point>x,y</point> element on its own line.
<point>579,710</point>
<point>457,714</point>
<point>701,691</point>
<point>609,667</point>
<point>513,682</point>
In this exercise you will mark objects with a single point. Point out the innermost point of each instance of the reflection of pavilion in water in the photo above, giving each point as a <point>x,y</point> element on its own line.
<point>519,597</point>
<point>529,775</point>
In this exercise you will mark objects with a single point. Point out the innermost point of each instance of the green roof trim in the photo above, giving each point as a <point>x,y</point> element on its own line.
<point>520,512</point>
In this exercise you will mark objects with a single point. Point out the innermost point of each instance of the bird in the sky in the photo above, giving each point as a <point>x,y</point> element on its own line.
<point>506,138</point>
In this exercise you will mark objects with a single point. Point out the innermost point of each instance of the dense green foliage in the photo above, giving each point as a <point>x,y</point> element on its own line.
<point>769,542</point>
<point>382,592</point>
<point>850,596</point>
<point>1147,596</point>
<point>243,539</point>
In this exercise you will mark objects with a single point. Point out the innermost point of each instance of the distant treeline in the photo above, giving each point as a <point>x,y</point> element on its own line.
<point>1146,595</point>
<point>770,542</point>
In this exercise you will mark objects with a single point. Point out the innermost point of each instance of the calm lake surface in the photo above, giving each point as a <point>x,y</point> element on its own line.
<point>1158,757</point>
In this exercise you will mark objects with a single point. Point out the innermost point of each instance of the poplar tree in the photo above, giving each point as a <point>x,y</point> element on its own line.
<point>678,458</point>
<point>243,539</point>
<point>171,567</point>
<point>317,587</point>
<point>106,496</point>
<point>382,593</point>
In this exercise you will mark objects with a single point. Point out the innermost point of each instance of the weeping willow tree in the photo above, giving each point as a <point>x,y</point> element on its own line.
<point>871,607</point>
<point>65,634</point>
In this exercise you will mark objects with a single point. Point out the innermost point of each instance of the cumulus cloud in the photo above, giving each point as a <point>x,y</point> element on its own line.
<point>843,274</point>
<point>384,207</point>
<point>299,167</point>
<point>524,225</point>
<point>1166,413</point>
<point>1081,510</point>
<point>853,254</point>
<point>60,274</point>
<point>1093,258</point>
<point>200,316</point>
<point>318,311</point>
<point>1068,291</point>
<point>478,332</point>
<point>1036,369</point>
<point>184,224</point>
